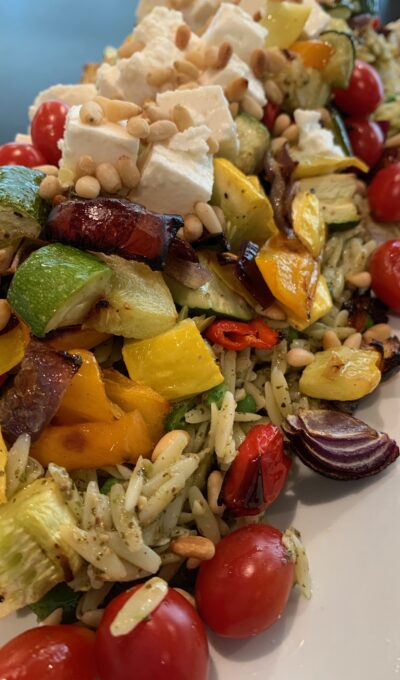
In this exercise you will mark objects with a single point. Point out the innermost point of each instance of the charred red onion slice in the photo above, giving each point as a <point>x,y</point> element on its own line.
<point>250,276</point>
<point>338,445</point>
<point>39,386</point>
<point>184,266</point>
<point>114,226</point>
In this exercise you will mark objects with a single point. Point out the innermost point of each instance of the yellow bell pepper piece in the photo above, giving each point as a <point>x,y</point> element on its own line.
<point>248,212</point>
<point>93,445</point>
<point>312,166</point>
<point>308,222</point>
<point>290,272</point>
<point>255,180</point>
<point>227,275</point>
<point>85,338</point>
<point>322,305</point>
<point>12,348</point>
<point>284,21</point>
<point>341,374</point>
<point>130,395</point>
<point>85,399</point>
<point>176,364</point>
<point>3,464</point>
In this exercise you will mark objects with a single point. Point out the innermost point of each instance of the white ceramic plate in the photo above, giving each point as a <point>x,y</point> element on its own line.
<point>350,630</point>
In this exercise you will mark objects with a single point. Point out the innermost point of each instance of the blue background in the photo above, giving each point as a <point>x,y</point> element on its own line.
<point>43,42</point>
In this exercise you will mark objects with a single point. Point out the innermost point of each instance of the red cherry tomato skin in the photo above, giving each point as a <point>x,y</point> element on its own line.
<point>385,272</point>
<point>48,128</point>
<point>170,645</point>
<point>271,112</point>
<point>364,92</point>
<point>245,587</point>
<point>20,154</point>
<point>51,652</point>
<point>367,139</point>
<point>384,194</point>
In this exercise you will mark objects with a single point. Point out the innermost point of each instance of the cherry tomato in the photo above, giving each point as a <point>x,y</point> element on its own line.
<point>245,587</point>
<point>170,644</point>
<point>364,92</point>
<point>271,112</point>
<point>48,128</point>
<point>384,194</point>
<point>20,154</point>
<point>59,652</point>
<point>385,272</point>
<point>367,139</point>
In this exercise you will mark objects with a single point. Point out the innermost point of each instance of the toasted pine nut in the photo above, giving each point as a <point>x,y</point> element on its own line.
<point>128,172</point>
<point>87,187</point>
<point>220,214</point>
<point>154,113</point>
<point>213,145</point>
<point>251,106</point>
<point>392,141</point>
<point>91,113</point>
<point>197,58</point>
<point>206,214</point>
<point>187,596</point>
<point>299,357</point>
<point>291,133</point>
<point>182,117</point>
<point>182,36</point>
<point>176,440</point>
<point>281,124</point>
<point>330,340</point>
<point>214,485</point>
<point>276,59</point>
<point>161,130</point>
<point>193,563</point>
<point>259,62</point>
<point>92,618</point>
<point>234,109</point>
<point>108,177</point>
<point>138,127</point>
<point>85,166</point>
<point>66,177</point>
<point>359,280</point>
<point>159,76</point>
<point>5,313</point>
<point>225,52</point>
<point>275,312</point>
<point>193,546</point>
<point>211,56</point>
<point>48,169</point>
<point>277,144</point>
<point>180,234</point>
<point>326,117</point>
<point>236,89</point>
<point>187,68</point>
<point>129,47</point>
<point>273,92</point>
<point>49,187</point>
<point>117,109</point>
<point>353,341</point>
<point>380,332</point>
<point>192,228</point>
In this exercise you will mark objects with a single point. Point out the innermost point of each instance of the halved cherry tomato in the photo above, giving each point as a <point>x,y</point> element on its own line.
<point>171,644</point>
<point>245,587</point>
<point>367,139</point>
<point>48,128</point>
<point>364,92</point>
<point>258,473</point>
<point>20,154</point>
<point>385,272</point>
<point>313,53</point>
<point>236,335</point>
<point>56,652</point>
<point>384,194</point>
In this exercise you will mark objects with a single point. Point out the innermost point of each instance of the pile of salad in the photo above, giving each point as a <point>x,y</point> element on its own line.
<point>199,252</point>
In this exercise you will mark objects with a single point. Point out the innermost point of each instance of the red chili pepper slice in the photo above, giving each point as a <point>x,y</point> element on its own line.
<point>258,473</point>
<point>235,335</point>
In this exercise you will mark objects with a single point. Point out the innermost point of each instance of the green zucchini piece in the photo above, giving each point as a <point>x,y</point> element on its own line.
<point>339,132</point>
<point>335,193</point>
<point>342,226</point>
<point>254,139</point>
<point>338,70</point>
<point>22,211</point>
<point>57,286</point>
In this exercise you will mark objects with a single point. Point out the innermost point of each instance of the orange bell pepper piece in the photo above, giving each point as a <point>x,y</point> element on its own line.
<point>313,53</point>
<point>93,445</point>
<point>131,395</point>
<point>67,338</point>
<point>85,399</point>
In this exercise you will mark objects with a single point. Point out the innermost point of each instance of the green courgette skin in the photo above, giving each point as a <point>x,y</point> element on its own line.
<point>22,211</point>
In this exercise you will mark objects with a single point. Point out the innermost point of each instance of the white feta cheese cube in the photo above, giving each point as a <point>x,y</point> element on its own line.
<point>318,19</point>
<point>314,139</point>
<point>162,22</point>
<point>177,175</point>
<point>127,79</point>
<point>144,7</point>
<point>105,143</point>
<point>207,105</point>
<point>196,13</point>
<point>69,94</point>
<point>232,24</point>
<point>236,68</point>
<point>252,6</point>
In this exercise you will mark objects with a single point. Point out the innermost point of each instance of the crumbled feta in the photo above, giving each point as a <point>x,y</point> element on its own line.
<point>105,143</point>
<point>314,139</point>
<point>196,13</point>
<point>69,94</point>
<point>232,24</point>
<point>236,68</point>
<point>317,21</point>
<point>207,105</point>
<point>127,79</point>
<point>161,22</point>
<point>21,138</point>
<point>178,174</point>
